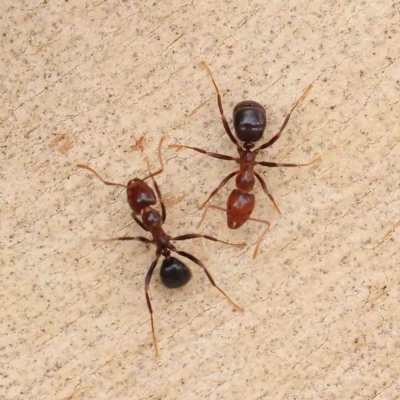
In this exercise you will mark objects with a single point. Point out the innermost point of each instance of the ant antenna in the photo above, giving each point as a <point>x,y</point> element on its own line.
<point>161,162</point>
<point>99,177</point>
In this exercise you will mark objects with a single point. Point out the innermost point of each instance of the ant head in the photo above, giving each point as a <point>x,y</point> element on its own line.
<point>140,195</point>
<point>249,121</point>
<point>174,273</point>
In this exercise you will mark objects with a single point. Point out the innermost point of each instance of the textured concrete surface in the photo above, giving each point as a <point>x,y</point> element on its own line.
<point>98,83</point>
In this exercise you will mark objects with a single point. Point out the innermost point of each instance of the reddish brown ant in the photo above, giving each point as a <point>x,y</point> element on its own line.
<point>174,273</point>
<point>249,121</point>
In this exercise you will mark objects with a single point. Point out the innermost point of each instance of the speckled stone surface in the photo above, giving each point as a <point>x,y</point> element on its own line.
<point>99,83</point>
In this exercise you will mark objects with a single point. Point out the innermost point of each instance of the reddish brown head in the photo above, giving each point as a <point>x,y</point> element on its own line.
<point>240,206</point>
<point>140,195</point>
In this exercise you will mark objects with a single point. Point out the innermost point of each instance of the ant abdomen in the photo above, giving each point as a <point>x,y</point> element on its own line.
<point>249,121</point>
<point>174,273</point>
<point>240,207</point>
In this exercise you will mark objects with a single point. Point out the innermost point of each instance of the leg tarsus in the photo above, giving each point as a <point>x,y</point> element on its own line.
<point>205,212</point>
<point>210,278</point>
<point>196,236</point>
<point>273,164</point>
<point>146,289</point>
<point>261,236</point>
<point>208,153</point>
<point>138,238</point>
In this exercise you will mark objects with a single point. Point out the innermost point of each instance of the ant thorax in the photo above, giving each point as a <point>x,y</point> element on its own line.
<point>151,218</point>
<point>247,157</point>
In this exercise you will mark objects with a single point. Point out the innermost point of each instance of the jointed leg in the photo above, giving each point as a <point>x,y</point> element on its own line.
<point>265,188</point>
<point>203,217</point>
<point>262,234</point>
<point>139,222</point>
<point>99,177</point>
<point>250,219</point>
<point>160,199</point>
<point>215,155</point>
<point>195,236</point>
<point>221,185</point>
<point>146,289</point>
<point>285,122</point>
<point>224,121</point>
<point>273,164</point>
<point>138,238</point>
<point>210,278</point>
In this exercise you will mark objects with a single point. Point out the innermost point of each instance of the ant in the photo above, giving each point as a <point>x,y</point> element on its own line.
<point>249,121</point>
<point>174,273</point>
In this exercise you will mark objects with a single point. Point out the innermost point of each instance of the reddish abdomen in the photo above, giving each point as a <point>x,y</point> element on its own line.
<point>240,206</point>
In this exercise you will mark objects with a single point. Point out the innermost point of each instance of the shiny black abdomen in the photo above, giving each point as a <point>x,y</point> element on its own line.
<point>174,273</point>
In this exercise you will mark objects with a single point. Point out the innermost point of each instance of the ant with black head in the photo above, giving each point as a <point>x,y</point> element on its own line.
<point>249,121</point>
<point>174,273</point>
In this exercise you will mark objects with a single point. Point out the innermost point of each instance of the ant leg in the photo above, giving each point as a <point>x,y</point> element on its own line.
<point>215,155</point>
<point>262,234</point>
<point>285,122</point>
<point>210,278</point>
<point>146,289</point>
<point>205,213</point>
<point>195,236</point>
<point>265,188</point>
<point>138,238</point>
<point>273,164</point>
<point>139,222</point>
<point>99,177</point>
<point>160,159</point>
<point>250,219</point>
<point>215,191</point>
<point>160,199</point>
<point>224,121</point>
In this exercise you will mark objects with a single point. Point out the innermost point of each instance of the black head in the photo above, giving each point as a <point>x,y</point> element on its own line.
<point>174,273</point>
<point>249,121</point>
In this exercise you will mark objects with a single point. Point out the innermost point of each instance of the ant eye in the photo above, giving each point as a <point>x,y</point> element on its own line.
<point>174,273</point>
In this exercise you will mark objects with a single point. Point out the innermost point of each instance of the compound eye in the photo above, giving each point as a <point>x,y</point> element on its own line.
<point>174,273</point>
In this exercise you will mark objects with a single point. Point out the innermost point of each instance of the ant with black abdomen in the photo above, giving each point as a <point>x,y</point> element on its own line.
<point>174,273</point>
